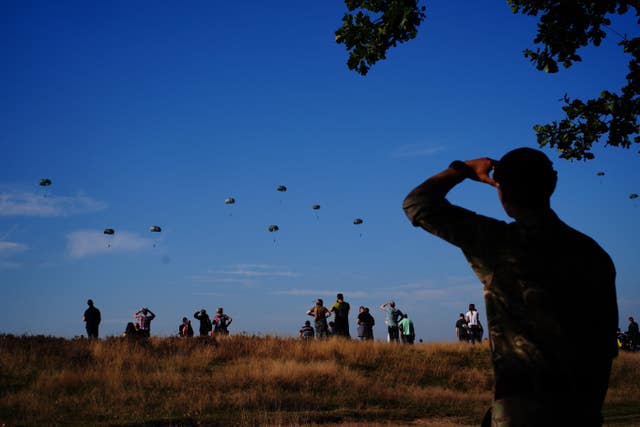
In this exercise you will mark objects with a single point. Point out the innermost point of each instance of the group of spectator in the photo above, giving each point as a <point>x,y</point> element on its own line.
<point>208,327</point>
<point>399,326</point>
<point>468,326</point>
<point>141,327</point>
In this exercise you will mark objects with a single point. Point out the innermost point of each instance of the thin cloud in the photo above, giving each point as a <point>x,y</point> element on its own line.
<point>9,265</point>
<point>321,293</point>
<point>84,243</point>
<point>248,270</point>
<point>11,247</point>
<point>416,150</point>
<point>16,203</point>
<point>244,274</point>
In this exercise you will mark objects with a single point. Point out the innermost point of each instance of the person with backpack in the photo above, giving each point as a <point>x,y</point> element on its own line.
<point>205,322</point>
<point>340,310</point>
<point>221,322</point>
<point>393,316</point>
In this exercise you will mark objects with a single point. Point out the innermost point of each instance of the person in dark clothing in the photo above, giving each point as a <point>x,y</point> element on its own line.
<point>340,310</point>
<point>365,322</point>
<point>461,329</point>
<point>205,322</point>
<point>92,320</point>
<point>633,333</point>
<point>185,329</point>
<point>532,270</point>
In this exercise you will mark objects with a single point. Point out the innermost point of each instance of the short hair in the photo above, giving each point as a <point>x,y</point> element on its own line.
<point>307,323</point>
<point>90,302</point>
<point>340,296</point>
<point>528,175</point>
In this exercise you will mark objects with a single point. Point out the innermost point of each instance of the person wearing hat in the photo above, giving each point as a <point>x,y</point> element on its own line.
<point>534,270</point>
<point>320,313</point>
<point>92,320</point>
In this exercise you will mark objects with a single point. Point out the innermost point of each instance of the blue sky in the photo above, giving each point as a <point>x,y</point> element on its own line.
<point>153,113</point>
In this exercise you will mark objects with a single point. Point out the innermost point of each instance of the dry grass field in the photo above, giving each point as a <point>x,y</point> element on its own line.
<point>256,381</point>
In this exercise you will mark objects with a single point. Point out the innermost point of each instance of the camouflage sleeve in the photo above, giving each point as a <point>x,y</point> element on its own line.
<point>477,235</point>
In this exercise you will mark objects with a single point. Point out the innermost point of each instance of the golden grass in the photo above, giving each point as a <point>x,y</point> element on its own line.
<point>247,381</point>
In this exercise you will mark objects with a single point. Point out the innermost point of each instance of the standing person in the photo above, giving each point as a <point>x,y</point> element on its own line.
<point>340,310</point>
<point>365,322</point>
<point>221,322</point>
<point>320,313</point>
<point>533,270</point>
<point>185,329</point>
<point>473,324</point>
<point>406,329</point>
<point>144,316</point>
<point>370,325</point>
<point>205,322</point>
<point>306,332</point>
<point>393,316</point>
<point>92,320</point>
<point>633,333</point>
<point>461,329</point>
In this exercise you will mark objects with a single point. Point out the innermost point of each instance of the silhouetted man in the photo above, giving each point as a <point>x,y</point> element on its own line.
<point>92,320</point>
<point>536,271</point>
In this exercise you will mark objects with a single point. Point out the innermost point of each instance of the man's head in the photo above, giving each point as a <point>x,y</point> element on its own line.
<point>90,303</point>
<point>472,307</point>
<point>392,304</point>
<point>462,315</point>
<point>340,297</point>
<point>630,319</point>
<point>526,179</point>
<point>219,311</point>
<point>319,301</point>
<point>307,323</point>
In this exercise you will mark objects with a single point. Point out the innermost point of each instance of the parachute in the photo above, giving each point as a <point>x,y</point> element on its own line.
<point>281,188</point>
<point>315,207</point>
<point>155,229</point>
<point>358,221</point>
<point>633,196</point>
<point>229,201</point>
<point>109,232</point>
<point>600,174</point>
<point>45,182</point>
<point>272,229</point>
